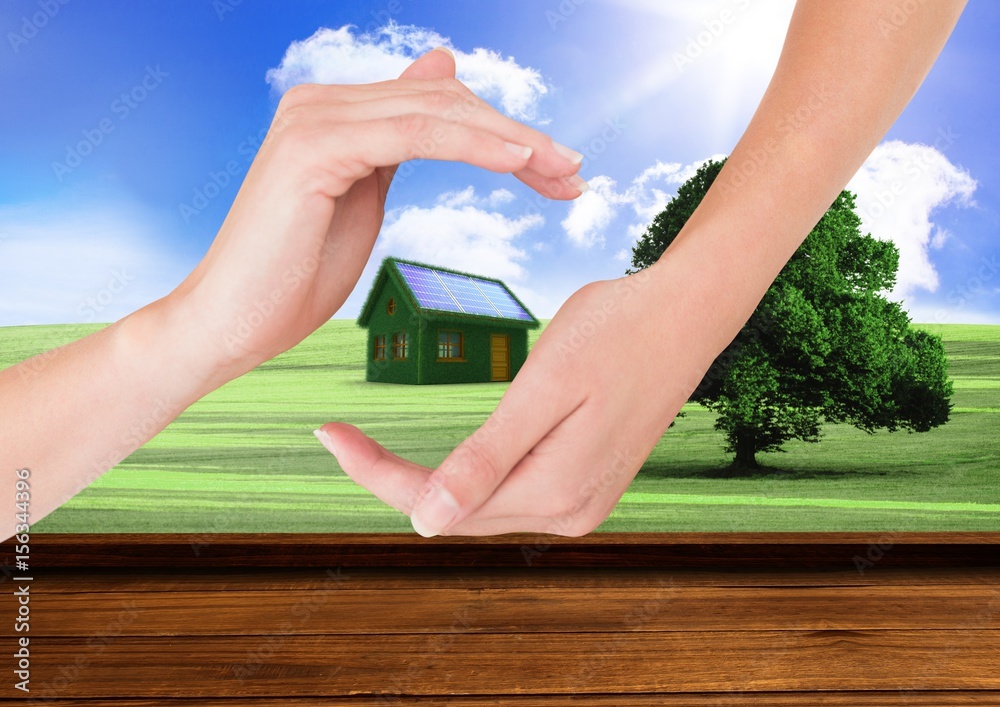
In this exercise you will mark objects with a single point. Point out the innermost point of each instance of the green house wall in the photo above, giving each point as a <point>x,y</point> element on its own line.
<point>405,319</point>
<point>475,368</point>
<point>421,364</point>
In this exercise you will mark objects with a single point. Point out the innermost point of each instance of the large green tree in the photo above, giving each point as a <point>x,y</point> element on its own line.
<point>824,344</point>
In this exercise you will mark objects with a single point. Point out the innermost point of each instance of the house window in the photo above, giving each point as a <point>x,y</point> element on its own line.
<point>449,345</point>
<point>399,346</point>
<point>391,307</point>
<point>380,348</point>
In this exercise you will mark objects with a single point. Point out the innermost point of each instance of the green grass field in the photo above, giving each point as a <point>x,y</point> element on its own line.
<point>244,458</point>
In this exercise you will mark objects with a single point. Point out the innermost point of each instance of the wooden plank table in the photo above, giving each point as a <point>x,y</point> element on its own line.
<point>610,619</point>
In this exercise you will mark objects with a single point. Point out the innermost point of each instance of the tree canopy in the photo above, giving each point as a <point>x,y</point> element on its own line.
<point>824,344</point>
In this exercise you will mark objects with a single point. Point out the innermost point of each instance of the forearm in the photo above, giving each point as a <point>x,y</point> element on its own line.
<point>73,413</point>
<point>846,72</point>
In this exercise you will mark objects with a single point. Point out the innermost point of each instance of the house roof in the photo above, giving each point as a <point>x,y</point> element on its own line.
<point>449,292</point>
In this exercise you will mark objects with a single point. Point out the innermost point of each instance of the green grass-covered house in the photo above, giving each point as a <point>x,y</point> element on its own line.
<point>434,325</point>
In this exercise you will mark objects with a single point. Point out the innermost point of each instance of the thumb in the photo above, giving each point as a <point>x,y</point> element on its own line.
<point>438,63</point>
<point>529,410</point>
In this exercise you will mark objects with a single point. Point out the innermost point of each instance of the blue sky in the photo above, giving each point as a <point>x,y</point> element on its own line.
<point>120,118</point>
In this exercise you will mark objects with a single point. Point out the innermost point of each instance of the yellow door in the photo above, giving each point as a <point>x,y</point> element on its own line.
<point>500,357</point>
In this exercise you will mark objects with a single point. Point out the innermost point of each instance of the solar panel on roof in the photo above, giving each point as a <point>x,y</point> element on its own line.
<point>502,300</point>
<point>450,292</point>
<point>429,290</point>
<point>469,296</point>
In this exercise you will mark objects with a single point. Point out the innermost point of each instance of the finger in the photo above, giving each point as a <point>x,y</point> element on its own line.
<point>558,188</point>
<point>566,485</point>
<point>350,152</point>
<point>438,63</point>
<point>535,403</point>
<point>417,91</point>
<point>549,156</point>
<point>391,478</point>
<point>549,173</point>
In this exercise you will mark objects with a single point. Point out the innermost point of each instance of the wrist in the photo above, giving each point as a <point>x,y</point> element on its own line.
<point>164,337</point>
<point>710,295</point>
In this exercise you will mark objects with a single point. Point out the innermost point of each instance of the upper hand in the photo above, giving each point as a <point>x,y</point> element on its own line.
<point>304,222</point>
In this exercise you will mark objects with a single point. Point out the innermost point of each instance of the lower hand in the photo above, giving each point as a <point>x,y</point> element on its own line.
<point>596,393</point>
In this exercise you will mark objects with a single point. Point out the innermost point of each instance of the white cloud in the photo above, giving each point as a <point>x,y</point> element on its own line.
<point>592,213</point>
<point>455,199</point>
<point>500,196</point>
<point>60,265</point>
<point>341,56</point>
<point>647,199</point>
<point>458,232</point>
<point>898,188</point>
<point>468,197</point>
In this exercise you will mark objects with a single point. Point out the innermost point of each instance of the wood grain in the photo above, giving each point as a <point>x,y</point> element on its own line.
<point>563,663</point>
<point>383,611</point>
<point>728,699</point>
<point>118,580</point>
<point>675,621</point>
<point>693,550</point>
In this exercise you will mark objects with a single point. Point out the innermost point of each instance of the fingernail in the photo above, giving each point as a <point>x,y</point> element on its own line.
<point>325,440</point>
<point>572,155</point>
<point>434,512</point>
<point>522,151</point>
<point>578,183</point>
<point>446,50</point>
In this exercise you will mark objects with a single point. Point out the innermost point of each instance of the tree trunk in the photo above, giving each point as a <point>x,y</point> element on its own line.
<point>746,451</point>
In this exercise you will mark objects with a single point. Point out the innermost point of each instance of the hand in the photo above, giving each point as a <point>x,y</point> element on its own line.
<point>598,390</point>
<point>304,222</point>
